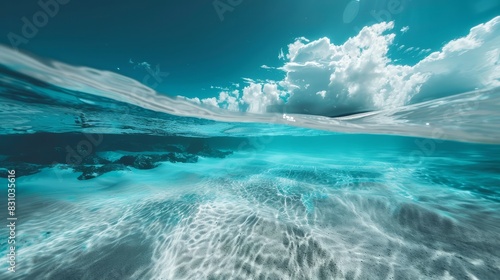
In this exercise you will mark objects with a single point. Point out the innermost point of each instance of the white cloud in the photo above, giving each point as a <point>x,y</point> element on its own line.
<point>255,98</point>
<point>424,51</point>
<point>355,76</point>
<point>327,79</point>
<point>229,100</point>
<point>220,88</point>
<point>258,99</point>
<point>321,93</point>
<point>266,67</point>
<point>464,64</point>
<point>248,80</point>
<point>405,29</point>
<point>144,65</point>
<point>210,101</point>
<point>281,55</point>
<point>303,39</point>
<point>408,50</point>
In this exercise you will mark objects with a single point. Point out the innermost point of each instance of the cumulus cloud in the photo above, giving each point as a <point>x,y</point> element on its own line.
<point>356,76</point>
<point>463,64</point>
<point>327,79</point>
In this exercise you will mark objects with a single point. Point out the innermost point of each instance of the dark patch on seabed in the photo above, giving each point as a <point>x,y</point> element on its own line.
<point>28,154</point>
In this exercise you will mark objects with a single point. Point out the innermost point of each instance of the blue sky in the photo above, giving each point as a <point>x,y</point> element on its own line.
<point>198,50</point>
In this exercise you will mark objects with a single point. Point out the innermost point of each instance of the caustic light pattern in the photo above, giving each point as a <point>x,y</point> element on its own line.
<point>351,167</point>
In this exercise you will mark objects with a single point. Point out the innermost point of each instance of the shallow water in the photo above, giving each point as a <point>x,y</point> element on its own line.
<point>120,184</point>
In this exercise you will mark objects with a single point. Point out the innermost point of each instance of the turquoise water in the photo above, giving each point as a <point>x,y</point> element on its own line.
<point>116,181</point>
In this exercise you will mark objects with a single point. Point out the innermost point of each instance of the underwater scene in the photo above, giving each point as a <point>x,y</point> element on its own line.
<point>250,139</point>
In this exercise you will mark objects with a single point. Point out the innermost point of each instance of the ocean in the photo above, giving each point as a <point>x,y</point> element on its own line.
<point>115,181</point>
